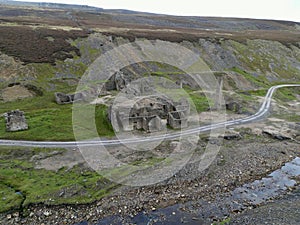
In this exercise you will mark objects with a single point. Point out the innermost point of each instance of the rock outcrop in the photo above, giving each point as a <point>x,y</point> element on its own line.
<point>276,134</point>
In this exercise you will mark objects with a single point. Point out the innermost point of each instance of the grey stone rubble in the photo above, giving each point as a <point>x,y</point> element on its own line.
<point>278,134</point>
<point>15,121</point>
<point>142,108</point>
<point>206,212</point>
<point>234,107</point>
<point>231,134</point>
<point>86,95</point>
<point>119,81</point>
<point>62,98</point>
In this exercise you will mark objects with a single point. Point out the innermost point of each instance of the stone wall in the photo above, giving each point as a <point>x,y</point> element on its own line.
<point>148,114</point>
<point>15,121</point>
<point>177,120</point>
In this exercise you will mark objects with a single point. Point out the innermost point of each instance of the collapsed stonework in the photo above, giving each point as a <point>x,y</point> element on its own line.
<point>234,107</point>
<point>119,81</point>
<point>15,121</point>
<point>62,98</point>
<point>177,120</point>
<point>140,106</point>
<point>86,95</point>
<point>149,113</point>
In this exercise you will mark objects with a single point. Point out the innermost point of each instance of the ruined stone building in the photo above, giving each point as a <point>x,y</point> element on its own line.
<point>149,113</point>
<point>15,121</point>
<point>179,118</point>
<point>119,81</point>
<point>62,98</point>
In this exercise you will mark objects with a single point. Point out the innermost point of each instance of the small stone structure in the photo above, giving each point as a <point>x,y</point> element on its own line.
<point>234,107</point>
<point>119,81</point>
<point>177,120</point>
<point>62,98</point>
<point>15,121</point>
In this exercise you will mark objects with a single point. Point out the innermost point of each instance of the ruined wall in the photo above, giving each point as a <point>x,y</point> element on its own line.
<point>15,121</point>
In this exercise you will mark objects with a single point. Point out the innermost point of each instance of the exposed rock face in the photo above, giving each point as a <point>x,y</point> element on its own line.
<point>221,56</point>
<point>15,121</point>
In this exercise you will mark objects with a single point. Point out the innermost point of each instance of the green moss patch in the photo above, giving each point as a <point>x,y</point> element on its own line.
<point>21,185</point>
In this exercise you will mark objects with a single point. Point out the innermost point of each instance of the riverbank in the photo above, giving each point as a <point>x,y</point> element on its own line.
<point>240,161</point>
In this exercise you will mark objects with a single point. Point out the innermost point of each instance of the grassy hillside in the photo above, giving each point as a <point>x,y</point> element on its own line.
<point>53,54</point>
<point>48,49</point>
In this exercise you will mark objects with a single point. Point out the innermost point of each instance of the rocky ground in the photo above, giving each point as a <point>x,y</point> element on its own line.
<point>252,56</point>
<point>239,161</point>
<point>284,210</point>
<point>246,154</point>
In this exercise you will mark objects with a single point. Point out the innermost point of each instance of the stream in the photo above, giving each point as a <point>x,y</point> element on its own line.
<point>198,212</point>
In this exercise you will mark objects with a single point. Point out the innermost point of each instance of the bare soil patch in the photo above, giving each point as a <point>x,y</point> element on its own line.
<point>16,92</point>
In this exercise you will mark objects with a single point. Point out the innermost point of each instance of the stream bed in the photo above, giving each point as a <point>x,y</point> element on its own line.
<point>248,196</point>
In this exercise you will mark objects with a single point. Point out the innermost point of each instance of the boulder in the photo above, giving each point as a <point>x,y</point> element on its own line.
<point>276,134</point>
<point>231,134</point>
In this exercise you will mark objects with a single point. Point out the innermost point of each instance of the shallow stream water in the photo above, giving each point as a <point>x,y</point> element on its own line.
<point>204,212</point>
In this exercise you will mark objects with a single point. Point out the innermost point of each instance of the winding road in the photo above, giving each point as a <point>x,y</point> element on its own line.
<point>265,107</point>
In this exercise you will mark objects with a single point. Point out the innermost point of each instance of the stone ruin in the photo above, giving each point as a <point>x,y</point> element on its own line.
<point>86,95</point>
<point>149,113</point>
<point>141,107</point>
<point>177,120</point>
<point>119,81</point>
<point>234,107</point>
<point>15,121</point>
<point>62,98</point>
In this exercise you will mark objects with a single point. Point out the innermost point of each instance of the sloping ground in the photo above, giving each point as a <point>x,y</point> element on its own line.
<point>16,92</point>
<point>125,17</point>
<point>51,48</point>
<point>38,45</point>
<point>34,34</point>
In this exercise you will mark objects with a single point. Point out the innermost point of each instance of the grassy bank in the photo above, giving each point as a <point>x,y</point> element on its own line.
<point>21,184</point>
